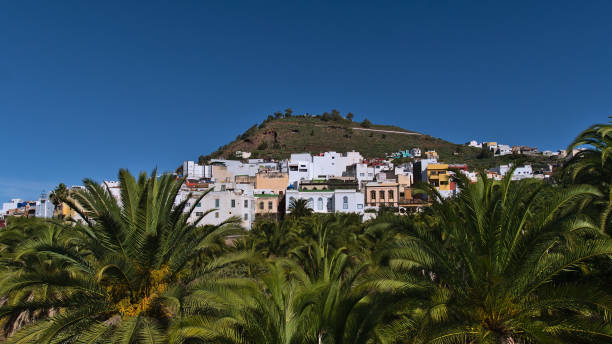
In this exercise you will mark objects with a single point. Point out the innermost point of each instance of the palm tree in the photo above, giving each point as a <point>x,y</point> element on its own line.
<point>60,192</point>
<point>501,263</point>
<point>119,277</point>
<point>249,313</point>
<point>593,166</point>
<point>274,239</point>
<point>15,260</point>
<point>300,208</point>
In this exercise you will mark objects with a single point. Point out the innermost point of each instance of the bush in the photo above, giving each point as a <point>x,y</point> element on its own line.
<point>262,146</point>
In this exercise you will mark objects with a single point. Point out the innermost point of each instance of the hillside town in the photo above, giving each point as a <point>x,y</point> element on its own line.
<point>331,182</point>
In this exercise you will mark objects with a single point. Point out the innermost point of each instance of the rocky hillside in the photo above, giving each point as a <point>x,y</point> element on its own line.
<point>280,135</point>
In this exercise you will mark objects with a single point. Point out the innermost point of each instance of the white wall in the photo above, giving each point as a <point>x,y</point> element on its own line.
<point>321,201</point>
<point>192,170</point>
<point>300,170</point>
<point>361,172</point>
<point>328,201</point>
<point>44,208</point>
<point>10,205</point>
<point>354,204</point>
<point>221,201</point>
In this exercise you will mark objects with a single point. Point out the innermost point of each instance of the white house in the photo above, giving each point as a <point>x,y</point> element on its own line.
<point>361,172</point>
<point>328,201</point>
<point>299,168</point>
<point>333,164</point>
<point>519,173</point>
<point>12,204</point>
<point>416,152</point>
<point>503,150</point>
<point>192,170</point>
<point>113,187</point>
<point>474,143</point>
<point>44,207</point>
<point>226,204</point>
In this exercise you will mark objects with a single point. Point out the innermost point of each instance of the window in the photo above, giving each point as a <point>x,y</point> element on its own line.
<point>390,193</point>
<point>359,206</point>
<point>246,203</point>
<point>233,203</point>
<point>320,203</point>
<point>270,205</point>
<point>217,203</point>
<point>345,202</point>
<point>381,194</point>
<point>261,205</point>
<point>362,174</point>
<point>293,168</point>
<point>223,187</point>
<point>246,217</point>
<point>199,204</point>
<point>373,195</point>
<point>311,203</point>
<point>199,213</point>
<point>217,214</point>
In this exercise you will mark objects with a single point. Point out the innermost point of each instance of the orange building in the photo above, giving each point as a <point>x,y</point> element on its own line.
<point>382,194</point>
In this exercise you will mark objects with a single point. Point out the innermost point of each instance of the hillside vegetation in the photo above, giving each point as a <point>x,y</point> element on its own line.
<point>280,135</point>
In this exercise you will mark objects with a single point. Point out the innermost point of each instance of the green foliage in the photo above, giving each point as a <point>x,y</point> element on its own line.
<point>262,146</point>
<point>60,192</point>
<point>112,278</point>
<point>501,262</point>
<point>593,165</point>
<point>485,153</point>
<point>249,132</point>
<point>366,123</point>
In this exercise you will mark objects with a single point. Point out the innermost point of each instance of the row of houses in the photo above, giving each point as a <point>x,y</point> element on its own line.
<point>499,149</point>
<point>330,182</point>
<point>41,207</point>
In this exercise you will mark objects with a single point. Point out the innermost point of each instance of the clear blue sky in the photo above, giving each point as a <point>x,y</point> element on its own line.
<point>87,87</point>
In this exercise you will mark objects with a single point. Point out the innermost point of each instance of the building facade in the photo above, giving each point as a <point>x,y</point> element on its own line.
<point>382,194</point>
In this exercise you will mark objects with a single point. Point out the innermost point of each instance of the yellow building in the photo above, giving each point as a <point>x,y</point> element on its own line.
<point>266,204</point>
<point>272,180</point>
<point>64,212</point>
<point>438,176</point>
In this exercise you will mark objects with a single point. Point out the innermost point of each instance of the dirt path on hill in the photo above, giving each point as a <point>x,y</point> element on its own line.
<point>376,130</point>
<point>387,131</point>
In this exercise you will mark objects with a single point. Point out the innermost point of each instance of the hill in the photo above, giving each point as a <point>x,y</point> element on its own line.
<point>280,135</point>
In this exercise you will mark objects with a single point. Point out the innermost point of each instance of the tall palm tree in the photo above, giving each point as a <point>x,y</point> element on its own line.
<point>59,193</point>
<point>118,275</point>
<point>500,264</point>
<point>593,165</point>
